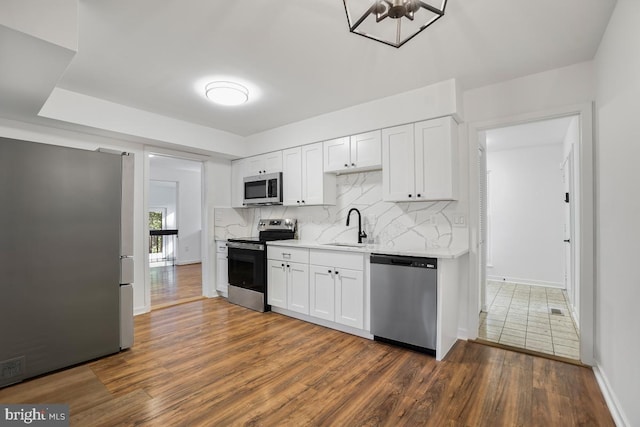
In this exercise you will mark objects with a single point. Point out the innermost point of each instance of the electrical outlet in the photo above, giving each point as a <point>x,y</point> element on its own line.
<point>459,220</point>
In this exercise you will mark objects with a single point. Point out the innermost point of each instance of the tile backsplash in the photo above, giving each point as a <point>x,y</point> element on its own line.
<point>419,225</point>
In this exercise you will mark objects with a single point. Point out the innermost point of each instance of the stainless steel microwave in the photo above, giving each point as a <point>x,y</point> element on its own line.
<point>265,189</point>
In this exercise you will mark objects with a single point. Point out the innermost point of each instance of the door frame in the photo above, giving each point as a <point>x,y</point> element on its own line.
<point>585,212</point>
<point>208,290</point>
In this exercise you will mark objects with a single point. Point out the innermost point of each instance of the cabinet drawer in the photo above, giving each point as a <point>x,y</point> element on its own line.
<point>337,259</point>
<point>285,253</point>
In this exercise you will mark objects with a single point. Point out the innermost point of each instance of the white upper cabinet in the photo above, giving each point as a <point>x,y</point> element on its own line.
<point>353,154</point>
<point>237,183</point>
<point>397,163</point>
<point>264,163</point>
<point>420,161</point>
<point>436,144</point>
<point>304,181</point>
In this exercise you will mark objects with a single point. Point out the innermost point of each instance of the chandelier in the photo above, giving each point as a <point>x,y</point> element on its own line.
<point>392,22</point>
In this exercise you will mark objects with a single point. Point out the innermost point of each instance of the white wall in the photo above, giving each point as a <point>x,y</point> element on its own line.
<point>189,210</point>
<point>437,100</point>
<point>570,85</point>
<point>618,208</point>
<point>526,211</point>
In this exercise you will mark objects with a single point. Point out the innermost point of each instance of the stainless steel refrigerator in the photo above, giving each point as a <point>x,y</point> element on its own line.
<point>66,266</point>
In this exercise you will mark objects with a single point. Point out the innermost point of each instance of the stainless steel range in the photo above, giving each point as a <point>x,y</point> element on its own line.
<point>248,263</point>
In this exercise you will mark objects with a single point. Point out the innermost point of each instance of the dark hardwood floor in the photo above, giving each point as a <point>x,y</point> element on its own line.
<point>174,284</point>
<point>211,363</point>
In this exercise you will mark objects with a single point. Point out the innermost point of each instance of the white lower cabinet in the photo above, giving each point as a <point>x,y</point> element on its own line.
<point>222,276</point>
<point>323,284</point>
<point>288,278</point>
<point>298,287</point>
<point>337,287</point>
<point>322,288</point>
<point>276,283</point>
<point>349,298</point>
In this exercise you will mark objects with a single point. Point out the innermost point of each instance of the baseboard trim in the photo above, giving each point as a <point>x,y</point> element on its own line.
<point>610,398</point>
<point>525,281</point>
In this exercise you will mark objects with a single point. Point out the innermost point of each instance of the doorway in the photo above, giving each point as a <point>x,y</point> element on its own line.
<point>175,223</point>
<point>498,233</point>
<point>526,300</point>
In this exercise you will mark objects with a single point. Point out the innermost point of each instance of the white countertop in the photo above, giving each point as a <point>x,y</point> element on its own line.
<point>380,249</point>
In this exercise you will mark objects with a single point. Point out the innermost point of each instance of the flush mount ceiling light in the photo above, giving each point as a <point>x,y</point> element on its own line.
<point>227,93</point>
<point>392,22</point>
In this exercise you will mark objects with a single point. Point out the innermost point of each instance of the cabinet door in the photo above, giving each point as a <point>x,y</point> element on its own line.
<point>298,287</point>
<point>322,292</point>
<point>313,180</point>
<point>222,276</point>
<point>436,159</point>
<point>366,150</point>
<point>398,164</point>
<point>349,298</point>
<point>336,155</point>
<point>273,162</point>
<point>255,166</point>
<point>276,283</point>
<point>292,176</point>
<point>237,183</point>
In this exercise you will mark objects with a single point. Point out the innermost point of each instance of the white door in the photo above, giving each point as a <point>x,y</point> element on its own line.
<point>398,164</point>
<point>366,149</point>
<point>292,176</point>
<point>322,292</point>
<point>273,162</point>
<point>349,297</point>
<point>222,276</point>
<point>312,175</point>
<point>484,225</point>
<point>277,283</point>
<point>336,155</point>
<point>298,287</point>
<point>436,155</point>
<point>569,260</point>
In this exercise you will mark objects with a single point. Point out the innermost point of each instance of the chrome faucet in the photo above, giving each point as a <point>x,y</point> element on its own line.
<point>361,234</point>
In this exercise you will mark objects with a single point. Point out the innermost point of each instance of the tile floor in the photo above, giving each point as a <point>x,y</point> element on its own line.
<point>520,316</point>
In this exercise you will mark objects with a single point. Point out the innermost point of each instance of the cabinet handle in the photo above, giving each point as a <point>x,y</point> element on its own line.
<point>336,272</point>
<point>346,165</point>
<point>282,264</point>
<point>419,195</point>
<point>329,271</point>
<point>288,266</point>
<point>303,201</point>
<point>298,201</point>
<point>409,195</point>
<point>353,164</point>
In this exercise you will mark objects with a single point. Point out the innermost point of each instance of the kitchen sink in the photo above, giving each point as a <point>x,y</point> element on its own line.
<point>350,245</point>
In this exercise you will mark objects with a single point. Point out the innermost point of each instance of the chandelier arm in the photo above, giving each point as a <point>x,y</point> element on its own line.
<point>370,11</point>
<point>431,8</point>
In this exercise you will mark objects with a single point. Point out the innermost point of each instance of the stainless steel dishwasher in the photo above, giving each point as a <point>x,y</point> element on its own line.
<point>404,301</point>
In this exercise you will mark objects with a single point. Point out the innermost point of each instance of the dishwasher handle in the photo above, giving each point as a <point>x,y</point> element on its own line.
<point>404,261</point>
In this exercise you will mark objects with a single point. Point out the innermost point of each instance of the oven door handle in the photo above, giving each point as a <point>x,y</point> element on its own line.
<point>242,245</point>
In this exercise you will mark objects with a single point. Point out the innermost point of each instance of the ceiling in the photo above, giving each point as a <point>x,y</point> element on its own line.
<point>298,57</point>
<point>544,132</point>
